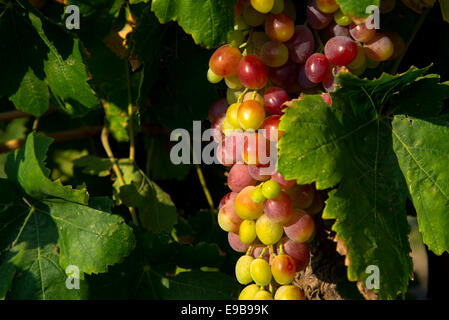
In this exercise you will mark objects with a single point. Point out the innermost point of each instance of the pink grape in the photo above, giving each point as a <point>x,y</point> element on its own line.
<point>327,98</point>
<point>229,151</point>
<point>301,195</point>
<point>285,184</point>
<point>258,250</point>
<point>236,244</point>
<point>279,27</point>
<point>317,67</point>
<point>340,50</point>
<point>301,45</point>
<point>301,227</point>
<point>298,251</point>
<point>334,29</point>
<point>228,197</point>
<point>255,173</point>
<point>218,134</point>
<point>379,48</point>
<point>361,33</point>
<point>285,76</point>
<point>252,72</point>
<point>239,177</point>
<point>317,19</point>
<point>279,209</point>
<point>274,98</point>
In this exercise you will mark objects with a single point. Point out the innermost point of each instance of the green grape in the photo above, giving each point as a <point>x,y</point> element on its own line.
<point>249,292</point>
<point>257,195</point>
<point>247,231</point>
<point>342,19</point>
<point>240,24</point>
<point>271,189</point>
<point>371,64</point>
<point>260,272</point>
<point>267,231</point>
<point>252,17</point>
<point>233,82</point>
<point>263,295</point>
<point>278,6</point>
<point>242,269</point>
<point>232,95</point>
<point>289,293</point>
<point>231,115</point>
<point>360,59</point>
<point>212,77</point>
<point>263,6</point>
<point>235,38</point>
<point>358,71</point>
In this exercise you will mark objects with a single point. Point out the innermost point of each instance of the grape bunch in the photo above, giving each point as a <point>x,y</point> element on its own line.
<point>267,62</point>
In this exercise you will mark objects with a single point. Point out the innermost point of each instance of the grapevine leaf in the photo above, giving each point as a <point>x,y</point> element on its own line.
<point>198,285</point>
<point>26,167</point>
<point>357,7</point>
<point>444,4</point>
<point>64,68</point>
<point>208,21</point>
<point>90,7</point>
<point>156,210</point>
<point>21,56</point>
<point>422,149</point>
<point>95,166</point>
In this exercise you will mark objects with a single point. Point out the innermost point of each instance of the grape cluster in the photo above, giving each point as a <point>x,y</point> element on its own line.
<point>267,62</point>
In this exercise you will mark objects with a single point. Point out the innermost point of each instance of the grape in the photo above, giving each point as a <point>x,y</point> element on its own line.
<point>301,44</point>
<point>233,95</point>
<point>329,83</point>
<point>212,77</point>
<point>360,59</point>
<point>317,67</point>
<point>301,228</point>
<point>257,251</point>
<point>279,27</point>
<point>224,62</point>
<point>236,38</point>
<point>279,209</point>
<point>283,269</point>
<point>253,95</point>
<point>358,71</point>
<point>228,197</point>
<point>285,76</point>
<point>252,72</point>
<point>247,231</point>
<point>271,189</point>
<point>278,6</point>
<point>371,64</point>
<point>301,195</point>
<point>242,269</point>
<point>398,44</point>
<point>334,29</point>
<point>274,54</point>
<point>303,81</point>
<point>260,272</point>
<point>317,204</point>
<point>218,134</point>
<point>327,6</point>
<point>315,18</point>
<point>232,115</point>
<point>258,39</point>
<point>290,9</point>
<point>271,127</point>
<point>249,292</point>
<point>263,6</point>
<point>250,115</point>
<point>298,251</point>
<point>263,295</point>
<point>387,6</point>
<point>235,243</point>
<point>245,207</point>
<point>218,108</point>
<point>289,293</point>
<point>257,195</point>
<point>274,98</point>
<point>340,50</point>
<point>285,184</point>
<point>379,48</point>
<point>256,149</point>
<point>233,82</point>
<point>268,231</point>
<point>327,98</point>
<point>342,19</point>
<point>361,33</point>
<point>253,17</point>
<point>228,149</point>
<point>239,177</point>
<point>226,221</point>
<point>254,172</point>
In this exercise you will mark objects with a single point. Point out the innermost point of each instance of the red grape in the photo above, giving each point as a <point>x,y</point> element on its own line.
<point>301,44</point>
<point>225,61</point>
<point>279,27</point>
<point>361,33</point>
<point>317,67</point>
<point>239,177</point>
<point>274,99</point>
<point>317,19</point>
<point>340,50</point>
<point>219,107</point>
<point>279,209</point>
<point>303,81</point>
<point>271,127</point>
<point>256,149</point>
<point>252,72</point>
<point>285,76</point>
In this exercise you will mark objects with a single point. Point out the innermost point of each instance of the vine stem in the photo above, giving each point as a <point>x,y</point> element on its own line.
<point>410,40</point>
<point>132,144</point>
<point>199,172</point>
<point>116,168</point>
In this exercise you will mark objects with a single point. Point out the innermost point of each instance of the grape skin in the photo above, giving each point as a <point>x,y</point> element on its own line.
<point>242,269</point>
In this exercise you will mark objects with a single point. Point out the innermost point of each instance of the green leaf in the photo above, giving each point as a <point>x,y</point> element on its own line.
<point>95,166</point>
<point>15,129</point>
<point>208,21</point>
<point>21,56</point>
<point>26,167</point>
<point>198,285</point>
<point>444,4</point>
<point>64,68</point>
<point>156,210</point>
<point>422,148</point>
<point>350,145</point>
<point>91,7</point>
<point>357,7</point>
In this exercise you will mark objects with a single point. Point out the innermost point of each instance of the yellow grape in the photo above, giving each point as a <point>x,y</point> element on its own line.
<point>249,292</point>
<point>263,6</point>
<point>289,293</point>
<point>232,115</point>
<point>247,231</point>
<point>268,231</point>
<point>260,272</point>
<point>263,295</point>
<point>242,269</point>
